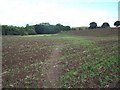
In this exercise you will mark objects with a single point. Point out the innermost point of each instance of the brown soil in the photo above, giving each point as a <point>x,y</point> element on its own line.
<point>98,32</point>
<point>52,70</point>
<point>19,53</point>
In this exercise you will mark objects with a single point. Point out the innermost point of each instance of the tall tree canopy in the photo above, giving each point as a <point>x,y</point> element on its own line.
<point>105,25</point>
<point>93,25</point>
<point>117,23</point>
<point>42,28</point>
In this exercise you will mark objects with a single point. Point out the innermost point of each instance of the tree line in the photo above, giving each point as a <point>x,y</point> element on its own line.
<point>46,28</point>
<point>42,28</point>
<point>104,25</point>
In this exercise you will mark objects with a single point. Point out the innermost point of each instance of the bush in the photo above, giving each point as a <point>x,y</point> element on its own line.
<point>117,23</point>
<point>105,25</point>
<point>93,25</point>
<point>22,31</point>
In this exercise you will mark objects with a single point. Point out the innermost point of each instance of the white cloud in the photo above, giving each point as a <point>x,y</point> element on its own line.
<point>21,12</point>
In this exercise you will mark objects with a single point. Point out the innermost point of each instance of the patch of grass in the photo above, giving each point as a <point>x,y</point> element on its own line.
<point>65,79</point>
<point>89,71</point>
<point>92,66</point>
<point>79,40</point>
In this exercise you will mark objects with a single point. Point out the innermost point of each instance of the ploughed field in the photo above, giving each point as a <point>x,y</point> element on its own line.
<point>75,59</point>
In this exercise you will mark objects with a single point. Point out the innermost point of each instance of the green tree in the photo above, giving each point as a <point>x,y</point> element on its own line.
<point>4,29</point>
<point>22,31</point>
<point>105,25</point>
<point>117,23</point>
<point>43,28</point>
<point>30,30</point>
<point>67,28</point>
<point>39,28</point>
<point>10,30</point>
<point>93,25</point>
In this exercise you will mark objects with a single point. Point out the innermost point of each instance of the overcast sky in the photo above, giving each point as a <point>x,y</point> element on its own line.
<point>74,13</point>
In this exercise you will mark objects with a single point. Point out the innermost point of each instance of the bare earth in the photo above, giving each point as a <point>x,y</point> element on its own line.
<point>59,61</point>
<point>52,70</point>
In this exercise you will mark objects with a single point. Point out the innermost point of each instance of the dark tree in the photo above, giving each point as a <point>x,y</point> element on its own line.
<point>39,28</point>
<point>5,29</point>
<point>105,25</point>
<point>67,28</point>
<point>9,30</point>
<point>30,30</point>
<point>22,31</point>
<point>93,25</point>
<point>42,28</point>
<point>117,23</point>
<point>59,27</point>
<point>73,28</point>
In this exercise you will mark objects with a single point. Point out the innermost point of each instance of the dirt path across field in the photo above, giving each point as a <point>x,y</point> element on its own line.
<point>52,70</point>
